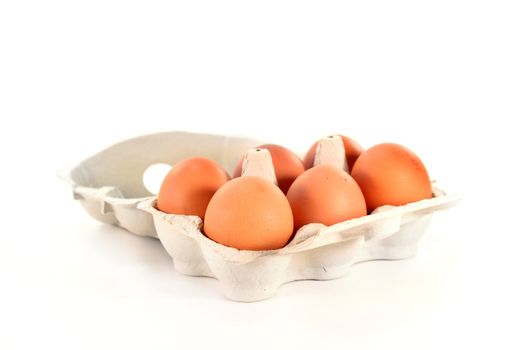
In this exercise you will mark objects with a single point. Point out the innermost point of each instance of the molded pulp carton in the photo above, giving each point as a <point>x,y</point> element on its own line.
<point>110,187</point>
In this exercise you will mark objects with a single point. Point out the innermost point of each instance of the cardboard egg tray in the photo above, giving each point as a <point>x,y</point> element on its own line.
<point>110,187</point>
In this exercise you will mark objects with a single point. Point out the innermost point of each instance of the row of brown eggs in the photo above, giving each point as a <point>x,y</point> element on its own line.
<point>252,213</point>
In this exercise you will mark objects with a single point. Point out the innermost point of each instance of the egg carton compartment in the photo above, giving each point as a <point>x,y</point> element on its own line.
<point>110,187</point>
<point>316,252</point>
<point>110,184</point>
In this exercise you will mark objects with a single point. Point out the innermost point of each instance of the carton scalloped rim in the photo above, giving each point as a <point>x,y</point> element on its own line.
<point>383,222</point>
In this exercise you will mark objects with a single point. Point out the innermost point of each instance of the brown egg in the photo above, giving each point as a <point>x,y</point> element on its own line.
<point>352,152</point>
<point>189,186</point>
<point>249,213</point>
<point>327,195</point>
<point>390,174</point>
<point>287,165</point>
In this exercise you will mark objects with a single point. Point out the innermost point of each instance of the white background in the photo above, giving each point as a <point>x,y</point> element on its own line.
<point>446,79</point>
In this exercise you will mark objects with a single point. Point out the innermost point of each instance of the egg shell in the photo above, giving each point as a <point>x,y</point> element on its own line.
<point>390,174</point>
<point>288,166</point>
<point>326,195</point>
<point>352,151</point>
<point>249,213</point>
<point>189,186</point>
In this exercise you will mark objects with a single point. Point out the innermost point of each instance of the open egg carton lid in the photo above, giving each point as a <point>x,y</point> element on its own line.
<point>110,184</point>
<point>110,187</point>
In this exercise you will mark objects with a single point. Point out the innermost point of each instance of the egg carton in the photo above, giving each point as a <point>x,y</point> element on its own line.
<point>109,185</point>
